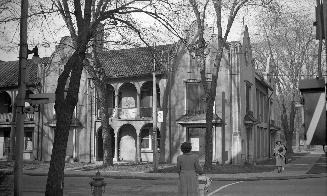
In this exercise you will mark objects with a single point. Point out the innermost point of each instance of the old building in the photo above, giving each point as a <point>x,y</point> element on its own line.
<point>241,130</point>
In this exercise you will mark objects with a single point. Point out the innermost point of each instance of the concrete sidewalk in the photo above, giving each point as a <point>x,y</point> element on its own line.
<point>296,169</point>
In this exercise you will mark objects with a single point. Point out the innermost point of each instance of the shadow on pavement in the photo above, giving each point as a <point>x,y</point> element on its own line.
<point>320,166</point>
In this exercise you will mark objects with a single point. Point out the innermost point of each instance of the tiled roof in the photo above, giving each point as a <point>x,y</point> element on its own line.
<point>9,72</point>
<point>133,62</point>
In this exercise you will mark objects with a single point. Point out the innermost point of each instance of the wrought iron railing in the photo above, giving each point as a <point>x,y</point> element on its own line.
<point>128,113</point>
<point>111,113</point>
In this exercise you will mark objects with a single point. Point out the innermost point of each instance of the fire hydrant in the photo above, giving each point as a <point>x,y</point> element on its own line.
<point>97,185</point>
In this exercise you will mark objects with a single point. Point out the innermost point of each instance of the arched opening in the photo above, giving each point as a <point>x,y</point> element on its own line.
<point>99,156</point>
<point>127,143</point>
<point>127,101</point>
<point>146,99</point>
<point>111,96</point>
<point>99,146</point>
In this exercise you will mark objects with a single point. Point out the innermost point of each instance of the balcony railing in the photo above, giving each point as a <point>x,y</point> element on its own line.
<point>128,113</point>
<point>111,112</point>
<point>7,117</point>
<point>146,112</point>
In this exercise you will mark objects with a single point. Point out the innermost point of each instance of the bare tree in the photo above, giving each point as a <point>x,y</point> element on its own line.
<point>233,8</point>
<point>82,20</point>
<point>289,42</point>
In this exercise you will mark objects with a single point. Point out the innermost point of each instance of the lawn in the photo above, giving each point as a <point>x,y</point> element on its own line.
<point>144,167</point>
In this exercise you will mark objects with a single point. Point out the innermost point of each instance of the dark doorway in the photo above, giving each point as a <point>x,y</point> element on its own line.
<point>6,143</point>
<point>99,145</point>
<point>99,155</point>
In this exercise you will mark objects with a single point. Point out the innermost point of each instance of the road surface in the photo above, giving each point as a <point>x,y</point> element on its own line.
<point>79,186</point>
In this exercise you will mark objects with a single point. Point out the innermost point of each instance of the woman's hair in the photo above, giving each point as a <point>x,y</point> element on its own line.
<point>186,147</point>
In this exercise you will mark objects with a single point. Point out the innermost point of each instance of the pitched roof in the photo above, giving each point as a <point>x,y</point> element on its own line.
<point>133,62</point>
<point>9,72</point>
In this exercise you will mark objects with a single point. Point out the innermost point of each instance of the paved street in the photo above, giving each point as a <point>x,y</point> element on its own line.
<point>296,187</point>
<point>35,185</point>
<point>305,175</point>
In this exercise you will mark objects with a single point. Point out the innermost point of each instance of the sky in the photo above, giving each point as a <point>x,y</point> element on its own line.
<point>48,32</point>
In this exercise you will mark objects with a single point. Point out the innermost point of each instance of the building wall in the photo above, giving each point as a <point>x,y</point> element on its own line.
<point>235,72</point>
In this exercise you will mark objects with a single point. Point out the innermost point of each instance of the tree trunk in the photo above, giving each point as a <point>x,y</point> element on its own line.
<point>103,92</point>
<point>208,134</point>
<point>64,107</point>
<point>285,124</point>
<point>289,134</point>
<point>12,135</point>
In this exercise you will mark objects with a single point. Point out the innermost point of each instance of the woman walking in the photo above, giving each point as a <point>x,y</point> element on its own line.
<point>188,167</point>
<point>279,153</point>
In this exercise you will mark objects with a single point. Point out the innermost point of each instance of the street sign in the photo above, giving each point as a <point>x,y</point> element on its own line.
<point>41,98</point>
<point>160,116</point>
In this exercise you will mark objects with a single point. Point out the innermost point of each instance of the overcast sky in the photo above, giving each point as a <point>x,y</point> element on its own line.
<point>49,37</point>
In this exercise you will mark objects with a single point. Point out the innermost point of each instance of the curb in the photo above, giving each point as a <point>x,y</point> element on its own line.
<point>303,176</point>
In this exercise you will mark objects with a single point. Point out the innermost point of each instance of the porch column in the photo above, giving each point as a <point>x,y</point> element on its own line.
<point>74,144</point>
<point>115,115</point>
<point>138,147</point>
<point>116,147</point>
<point>138,103</point>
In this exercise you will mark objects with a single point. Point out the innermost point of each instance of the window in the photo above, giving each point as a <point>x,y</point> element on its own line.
<point>195,97</point>
<point>262,106</point>
<point>28,137</point>
<point>145,139</point>
<point>194,139</point>
<point>258,104</point>
<point>248,97</point>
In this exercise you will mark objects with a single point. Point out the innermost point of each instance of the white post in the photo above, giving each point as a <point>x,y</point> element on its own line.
<point>154,118</point>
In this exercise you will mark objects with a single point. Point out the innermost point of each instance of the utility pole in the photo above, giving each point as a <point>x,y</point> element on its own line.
<point>20,102</point>
<point>154,117</point>
<point>320,29</point>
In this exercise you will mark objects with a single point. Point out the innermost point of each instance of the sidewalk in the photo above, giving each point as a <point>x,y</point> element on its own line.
<point>297,169</point>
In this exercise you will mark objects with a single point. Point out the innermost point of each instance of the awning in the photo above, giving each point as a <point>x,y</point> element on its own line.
<point>198,120</point>
<point>76,123</point>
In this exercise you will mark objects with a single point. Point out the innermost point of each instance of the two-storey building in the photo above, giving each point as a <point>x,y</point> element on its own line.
<point>240,121</point>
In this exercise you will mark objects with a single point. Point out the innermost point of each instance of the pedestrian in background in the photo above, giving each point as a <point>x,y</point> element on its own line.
<point>188,168</point>
<point>279,153</point>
